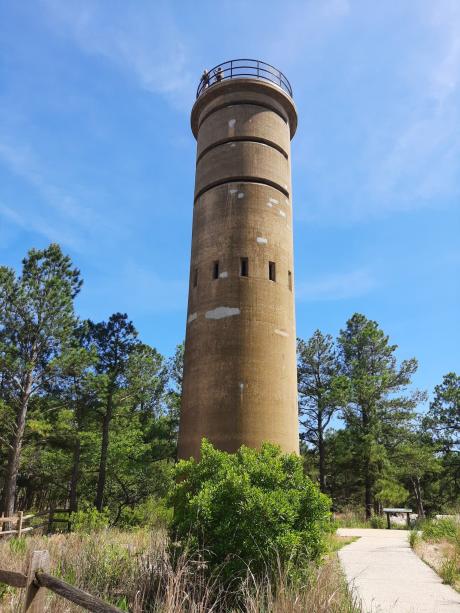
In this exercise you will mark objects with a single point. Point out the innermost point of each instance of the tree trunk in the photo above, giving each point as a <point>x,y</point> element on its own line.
<point>418,497</point>
<point>368,494</point>
<point>14,453</point>
<point>99,502</point>
<point>321,453</point>
<point>73,494</point>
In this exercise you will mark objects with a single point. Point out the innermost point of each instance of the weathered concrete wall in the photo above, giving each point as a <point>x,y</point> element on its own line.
<point>240,378</point>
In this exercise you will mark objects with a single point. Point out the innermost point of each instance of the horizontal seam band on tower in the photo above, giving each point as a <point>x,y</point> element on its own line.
<point>241,180</point>
<point>268,107</point>
<point>244,139</point>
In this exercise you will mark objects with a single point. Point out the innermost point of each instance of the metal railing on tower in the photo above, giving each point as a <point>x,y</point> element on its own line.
<point>246,69</point>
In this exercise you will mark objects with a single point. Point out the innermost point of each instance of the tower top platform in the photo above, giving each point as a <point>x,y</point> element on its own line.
<point>244,81</point>
<point>240,69</point>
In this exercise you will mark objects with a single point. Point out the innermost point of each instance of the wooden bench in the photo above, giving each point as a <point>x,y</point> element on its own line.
<point>397,512</point>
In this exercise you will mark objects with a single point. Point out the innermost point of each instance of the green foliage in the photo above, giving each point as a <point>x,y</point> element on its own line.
<point>249,508</point>
<point>443,418</point>
<point>151,513</point>
<point>321,392</point>
<point>378,521</point>
<point>441,529</point>
<point>88,520</point>
<point>389,492</point>
<point>450,569</point>
<point>36,324</point>
<point>414,538</point>
<point>18,545</point>
<point>379,408</point>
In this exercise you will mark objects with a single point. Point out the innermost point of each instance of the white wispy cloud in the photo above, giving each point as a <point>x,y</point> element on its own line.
<point>55,213</point>
<point>422,161</point>
<point>388,142</point>
<point>336,286</point>
<point>141,39</point>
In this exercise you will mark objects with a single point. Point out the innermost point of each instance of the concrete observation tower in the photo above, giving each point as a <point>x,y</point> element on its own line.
<point>240,374</point>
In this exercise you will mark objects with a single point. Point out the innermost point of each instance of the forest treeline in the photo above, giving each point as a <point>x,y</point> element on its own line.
<point>89,413</point>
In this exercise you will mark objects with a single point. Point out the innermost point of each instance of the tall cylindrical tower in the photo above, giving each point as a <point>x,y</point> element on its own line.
<point>240,375</point>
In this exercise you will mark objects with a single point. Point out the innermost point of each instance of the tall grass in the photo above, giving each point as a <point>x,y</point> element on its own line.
<point>444,534</point>
<point>136,571</point>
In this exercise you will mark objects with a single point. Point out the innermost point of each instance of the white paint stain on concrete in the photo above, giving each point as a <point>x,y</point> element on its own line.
<point>191,317</point>
<point>281,332</point>
<point>231,123</point>
<point>223,275</point>
<point>282,213</point>
<point>222,312</point>
<point>274,201</point>
<point>233,191</point>
<point>240,195</point>
<point>261,240</point>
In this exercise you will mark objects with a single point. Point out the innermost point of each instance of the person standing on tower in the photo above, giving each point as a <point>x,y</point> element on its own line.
<point>205,79</point>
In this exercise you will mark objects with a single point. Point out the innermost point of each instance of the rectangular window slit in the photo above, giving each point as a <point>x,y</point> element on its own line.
<point>290,280</point>
<point>244,267</point>
<point>195,277</point>
<point>272,271</point>
<point>215,269</point>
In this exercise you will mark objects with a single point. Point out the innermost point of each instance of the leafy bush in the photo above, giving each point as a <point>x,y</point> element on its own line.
<point>378,521</point>
<point>152,513</point>
<point>88,519</point>
<point>252,508</point>
<point>440,529</point>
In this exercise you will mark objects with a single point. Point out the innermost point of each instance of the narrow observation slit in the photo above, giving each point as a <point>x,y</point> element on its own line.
<point>215,269</point>
<point>195,277</point>
<point>290,280</point>
<point>244,267</point>
<point>272,271</point>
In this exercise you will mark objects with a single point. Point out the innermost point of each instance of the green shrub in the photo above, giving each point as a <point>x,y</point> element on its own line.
<point>441,529</point>
<point>378,521</point>
<point>252,508</point>
<point>152,513</point>
<point>88,519</point>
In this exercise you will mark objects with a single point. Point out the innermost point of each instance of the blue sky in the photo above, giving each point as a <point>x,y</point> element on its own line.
<point>96,153</point>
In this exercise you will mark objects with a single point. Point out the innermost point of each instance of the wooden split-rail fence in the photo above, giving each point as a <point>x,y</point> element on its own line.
<point>17,524</point>
<point>36,580</point>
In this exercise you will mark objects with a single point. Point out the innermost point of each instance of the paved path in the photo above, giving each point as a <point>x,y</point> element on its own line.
<point>389,577</point>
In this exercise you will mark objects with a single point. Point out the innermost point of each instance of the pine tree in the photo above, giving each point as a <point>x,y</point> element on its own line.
<point>380,407</point>
<point>36,323</point>
<point>321,392</point>
<point>113,341</point>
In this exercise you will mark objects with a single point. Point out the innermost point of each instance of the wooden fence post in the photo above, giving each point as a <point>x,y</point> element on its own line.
<point>34,601</point>
<point>19,524</point>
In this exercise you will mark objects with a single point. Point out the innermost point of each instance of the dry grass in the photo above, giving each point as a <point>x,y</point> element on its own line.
<point>135,571</point>
<point>438,544</point>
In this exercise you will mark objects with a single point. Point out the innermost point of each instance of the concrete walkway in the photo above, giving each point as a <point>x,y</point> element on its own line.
<point>389,577</point>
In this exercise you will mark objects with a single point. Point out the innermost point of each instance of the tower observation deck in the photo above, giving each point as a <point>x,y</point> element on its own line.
<point>240,376</point>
